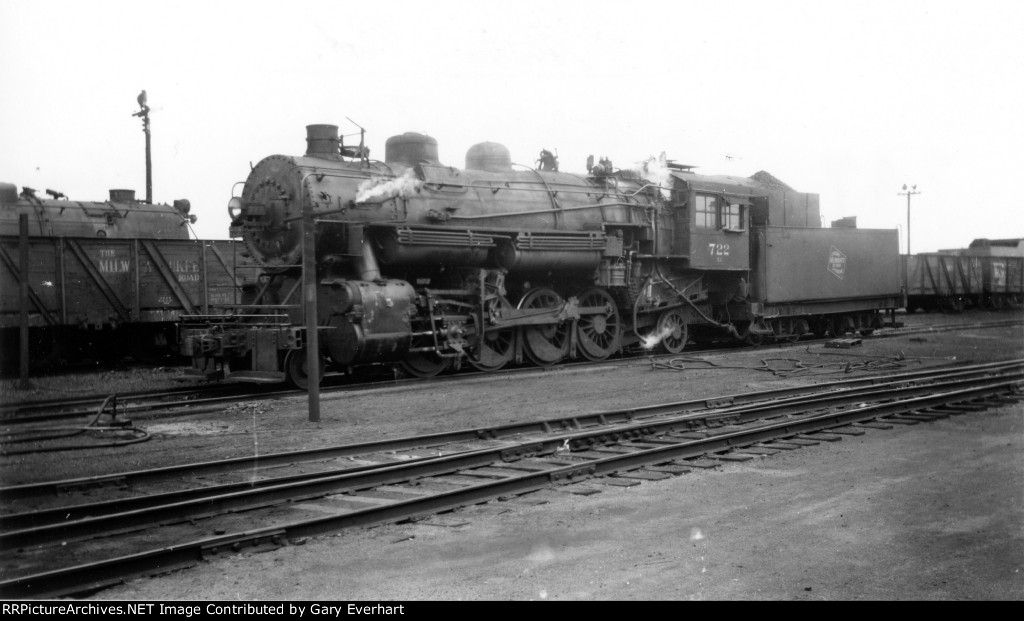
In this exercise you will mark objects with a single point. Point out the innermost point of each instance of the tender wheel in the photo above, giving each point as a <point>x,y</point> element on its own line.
<point>496,347</point>
<point>425,364</point>
<point>673,325</point>
<point>837,327</point>
<point>599,336</point>
<point>297,371</point>
<point>545,345</point>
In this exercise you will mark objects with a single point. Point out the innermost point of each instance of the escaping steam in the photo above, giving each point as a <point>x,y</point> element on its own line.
<point>651,341</point>
<point>386,187</point>
<point>655,170</point>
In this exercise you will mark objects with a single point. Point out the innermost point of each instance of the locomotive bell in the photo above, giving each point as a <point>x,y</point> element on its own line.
<point>410,149</point>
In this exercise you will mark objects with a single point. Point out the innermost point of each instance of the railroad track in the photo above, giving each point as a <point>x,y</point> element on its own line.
<point>192,400</point>
<point>52,549</point>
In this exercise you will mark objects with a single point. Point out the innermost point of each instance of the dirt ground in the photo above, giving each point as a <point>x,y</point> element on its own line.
<point>926,512</point>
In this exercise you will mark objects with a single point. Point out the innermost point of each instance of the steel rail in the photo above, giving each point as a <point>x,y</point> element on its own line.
<point>9,411</point>
<point>38,527</point>
<point>92,575</point>
<point>140,509</point>
<point>20,492</point>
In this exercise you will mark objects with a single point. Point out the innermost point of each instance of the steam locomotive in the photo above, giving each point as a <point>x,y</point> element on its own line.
<point>430,266</point>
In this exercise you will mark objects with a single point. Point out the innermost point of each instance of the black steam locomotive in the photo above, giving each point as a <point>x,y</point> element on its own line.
<point>430,266</point>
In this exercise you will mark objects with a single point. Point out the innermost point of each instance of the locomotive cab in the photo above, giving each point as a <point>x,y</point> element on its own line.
<point>712,222</point>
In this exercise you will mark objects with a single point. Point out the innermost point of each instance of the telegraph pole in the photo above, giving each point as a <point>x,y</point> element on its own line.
<point>143,113</point>
<point>908,193</point>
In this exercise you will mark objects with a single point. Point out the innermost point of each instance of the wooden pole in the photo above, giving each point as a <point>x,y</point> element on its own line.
<point>23,298</point>
<point>309,295</point>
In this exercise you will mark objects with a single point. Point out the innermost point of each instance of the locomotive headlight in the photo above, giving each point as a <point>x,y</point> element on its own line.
<point>235,208</point>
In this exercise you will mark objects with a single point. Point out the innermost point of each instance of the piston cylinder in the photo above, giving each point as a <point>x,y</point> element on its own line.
<point>369,321</point>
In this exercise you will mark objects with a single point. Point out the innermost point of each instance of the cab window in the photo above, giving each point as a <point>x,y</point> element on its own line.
<point>706,212</point>
<point>732,216</point>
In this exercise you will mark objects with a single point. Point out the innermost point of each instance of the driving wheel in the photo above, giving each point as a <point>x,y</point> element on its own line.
<point>546,344</point>
<point>496,347</point>
<point>599,336</point>
<point>425,364</point>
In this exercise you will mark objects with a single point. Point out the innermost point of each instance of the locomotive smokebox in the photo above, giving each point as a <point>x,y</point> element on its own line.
<point>122,196</point>
<point>410,149</point>
<point>489,157</point>
<point>321,140</point>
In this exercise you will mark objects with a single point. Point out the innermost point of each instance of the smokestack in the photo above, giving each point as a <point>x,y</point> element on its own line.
<point>321,140</point>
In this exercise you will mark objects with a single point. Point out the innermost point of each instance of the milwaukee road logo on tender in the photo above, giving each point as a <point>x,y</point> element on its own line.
<point>837,263</point>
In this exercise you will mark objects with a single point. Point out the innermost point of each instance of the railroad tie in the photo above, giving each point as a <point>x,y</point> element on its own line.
<point>848,431</point>
<point>821,436</point>
<point>670,469</point>
<point>874,425</point>
<point>761,450</point>
<point>578,490</point>
<point>699,463</point>
<point>902,421</point>
<point>920,416</point>
<point>801,441</point>
<point>618,481</point>
<point>733,456</point>
<point>644,474</point>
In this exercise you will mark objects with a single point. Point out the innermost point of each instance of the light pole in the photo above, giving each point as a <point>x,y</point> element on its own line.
<point>143,113</point>
<point>908,194</point>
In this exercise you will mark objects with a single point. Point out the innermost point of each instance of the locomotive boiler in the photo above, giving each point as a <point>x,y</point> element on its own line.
<point>431,266</point>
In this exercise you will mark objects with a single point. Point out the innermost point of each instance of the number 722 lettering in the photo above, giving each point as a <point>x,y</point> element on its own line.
<point>718,250</point>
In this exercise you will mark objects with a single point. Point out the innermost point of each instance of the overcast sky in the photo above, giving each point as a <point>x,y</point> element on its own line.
<point>846,99</point>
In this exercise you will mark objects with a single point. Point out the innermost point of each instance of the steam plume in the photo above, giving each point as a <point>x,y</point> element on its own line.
<point>655,170</point>
<point>386,187</point>
<point>651,341</point>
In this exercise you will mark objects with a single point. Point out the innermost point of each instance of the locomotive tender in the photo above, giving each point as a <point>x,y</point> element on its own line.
<point>430,266</point>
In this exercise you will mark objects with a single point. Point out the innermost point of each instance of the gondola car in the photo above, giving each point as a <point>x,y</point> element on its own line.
<point>107,279</point>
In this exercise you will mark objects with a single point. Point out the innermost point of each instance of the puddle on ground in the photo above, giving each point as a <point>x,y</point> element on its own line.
<point>187,429</point>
